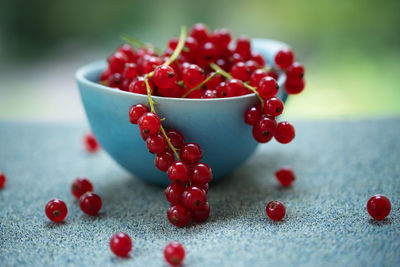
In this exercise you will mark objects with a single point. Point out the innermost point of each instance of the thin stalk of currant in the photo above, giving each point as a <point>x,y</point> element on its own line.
<point>171,59</point>
<point>201,84</point>
<point>229,77</point>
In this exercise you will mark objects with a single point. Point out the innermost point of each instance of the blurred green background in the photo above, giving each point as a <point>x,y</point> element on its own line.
<point>351,49</point>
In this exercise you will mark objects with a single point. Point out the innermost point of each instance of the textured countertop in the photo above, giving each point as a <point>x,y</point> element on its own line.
<point>339,165</point>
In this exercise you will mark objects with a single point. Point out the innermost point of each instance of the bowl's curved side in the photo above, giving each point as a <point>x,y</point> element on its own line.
<point>216,125</point>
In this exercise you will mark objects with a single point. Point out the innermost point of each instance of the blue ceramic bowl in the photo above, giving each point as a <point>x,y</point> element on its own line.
<point>217,125</point>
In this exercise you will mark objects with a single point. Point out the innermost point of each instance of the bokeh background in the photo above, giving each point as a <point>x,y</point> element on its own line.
<point>351,49</point>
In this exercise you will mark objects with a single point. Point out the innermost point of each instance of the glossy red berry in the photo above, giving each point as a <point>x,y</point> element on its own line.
<point>164,76</point>
<point>284,132</point>
<point>115,80</point>
<point>209,94</point>
<point>191,153</point>
<point>264,129</point>
<point>131,70</point>
<point>136,111</point>
<point>379,207</point>
<point>202,214</point>
<point>121,244</point>
<point>90,203</point>
<point>205,188</point>
<point>240,71</point>
<point>178,215</point>
<point>273,107</point>
<point>252,115</point>
<point>138,86</point>
<point>191,48</point>
<point>201,174</point>
<point>91,143</point>
<point>285,176</point>
<point>150,63</point>
<point>104,75</point>
<point>164,160</point>
<point>295,72</point>
<point>284,58</point>
<point>56,210</point>
<point>176,137</point>
<point>116,62</point>
<point>256,77</point>
<point>243,47</point>
<point>174,253</point>
<point>200,32</point>
<point>178,172</point>
<point>257,57</point>
<point>235,87</point>
<point>174,91</point>
<point>149,123</point>
<point>156,143</point>
<point>208,52</point>
<point>194,198</point>
<point>192,75</point>
<point>268,87</point>
<point>128,51</point>
<point>174,192</point>
<point>80,186</point>
<point>221,38</point>
<point>275,210</point>
<point>3,180</point>
<point>293,87</point>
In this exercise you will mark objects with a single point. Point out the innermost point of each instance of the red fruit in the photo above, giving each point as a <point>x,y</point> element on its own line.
<point>164,160</point>
<point>221,38</point>
<point>56,210</point>
<point>204,187</point>
<point>149,123</point>
<point>90,203</point>
<point>174,192</point>
<point>116,62</point>
<point>284,132</point>
<point>201,174</point>
<point>131,70</point>
<point>115,80</point>
<point>156,143</point>
<point>257,57</point>
<point>268,87</point>
<point>191,48</point>
<point>235,87</point>
<point>264,129</point>
<point>285,176</point>
<point>208,52</point>
<point>174,253</point>
<point>173,43</point>
<point>252,115</point>
<point>295,72</point>
<point>240,71</point>
<point>379,207</point>
<point>149,63</point>
<point>194,198</point>
<point>221,89</point>
<point>105,74</point>
<point>136,111</point>
<point>275,210</point>
<point>121,244</point>
<point>138,86</point>
<point>273,107</point>
<point>243,47</point>
<point>164,76</point>
<point>176,138</point>
<point>128,51</point>
<point>191,153</point>
<point>178,172</point>
<point>202,214</point>
<point>200,32</point>
<point>80,186</point>
<point>91,143</point>
<point>251,66</point>
<point>209,94</point>
<point>174,91</point>
<point>284,58</point>
<point>273,74</point>
<point>294,87</point>
<point>256,77</point>
<point>178,215</point>
<point>192,75</point>
<point>3,180</point>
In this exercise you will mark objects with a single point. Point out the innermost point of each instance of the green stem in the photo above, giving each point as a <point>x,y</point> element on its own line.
<point>179,47</point>
<point>200,84</point>
<point>133,42</point>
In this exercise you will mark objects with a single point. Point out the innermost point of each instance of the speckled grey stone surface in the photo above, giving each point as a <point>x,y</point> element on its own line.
<point>339,165</point>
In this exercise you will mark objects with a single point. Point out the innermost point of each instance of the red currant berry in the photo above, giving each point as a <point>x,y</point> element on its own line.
<point>275,210</point>
<point>264,129</point>
<point>252,115</point>
<point>257,57</point>
<point>207,94</point>
<point>173,43</point>
<point>131,70</point>
<point>221,38</point>
<point>56,210</point>
<point>209,52</point>
<point>273,74</point>
<point>251,66</point>
<point>202,214</point>
<point>193,198</point>
<point>128,51</point>
<point>268,87</point>
<point>149,123</point>
<point>284,132</point>
<point>105,74</point>
<point>176,138</point>
<point>285,176</point>
<point>240,71</point>
<point>138,86</point>
<point>150,63</point>
<point>90,203</point>
<point>295,72</point>
<point>178,172</point>
<point>243,47</point>
<point>235,87</point>
<point>256,77</point>
<point>91,143</point>
<point>164,160</point>
<point>200,32</point>
<point>115,80</point>
<point>273,107</point>
<point>201,174</point>
<point>205,188</point>
<point>164,76</point>
<point>294,87</point>
<point>136,111</point>
<point>284,58</point>
<point>192,75</point>
<point>174,91</point>
<point>379,207</point>
<point>178,215</point>
<point>174,192</point>
<point>191,153</point>
<point>116,62</point>
<point>3,180</point>
<point>174,253</point>
<point>156,143</point>
<point>121,244</point>
<point>221,89</point>
<point>80,186</point>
